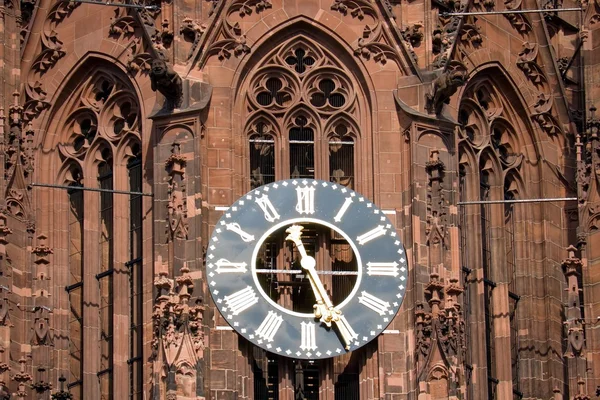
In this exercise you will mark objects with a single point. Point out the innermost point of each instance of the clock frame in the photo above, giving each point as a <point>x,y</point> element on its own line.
<point>232,272</point>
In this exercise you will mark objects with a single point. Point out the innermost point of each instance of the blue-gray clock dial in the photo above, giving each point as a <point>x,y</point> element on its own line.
<point>300,307</point>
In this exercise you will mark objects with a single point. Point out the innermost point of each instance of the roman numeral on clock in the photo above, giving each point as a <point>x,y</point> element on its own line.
<point>241,300</point>
<point>225,266</point>
<point>342,211</point>
<point>382,268</point>
<point>372,234</point>
<point>374,303</point>
<point>269,326</point>
<point>308,336</point>
<point>306,200</point>
<point>265,204</point>
<point>235,227</point>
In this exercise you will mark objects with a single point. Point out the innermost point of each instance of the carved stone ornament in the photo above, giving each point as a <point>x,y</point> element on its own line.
<point>445,85</point>
<point>412,34</point>
<point>51,52</point>
<point>40,386</point>
<point>192,31</point>
<point>233,40</point>
<point>42,251</point>
<point>574,324</point>
<point>526,61</point>
<point>177,191</point>
<point>22,377</point>
<point>141,51</point>
<point>517,20</point>
<point>179,332</point>
<point>443,37</point>
<point>470,32</point>
<point>436,210</point>
<point>581,394</point>
<point>62,394</point>
<point>440,332</point>
<point>588,162</point>
<point>41,327</point>
<point>372,45</point>
<point>166,81</point>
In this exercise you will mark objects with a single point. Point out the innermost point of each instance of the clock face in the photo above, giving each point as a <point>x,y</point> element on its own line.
<point>306,268</point>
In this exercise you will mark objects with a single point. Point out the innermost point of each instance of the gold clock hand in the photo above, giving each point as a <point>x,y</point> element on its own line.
<point>324,305</point>
<point>324,308</point>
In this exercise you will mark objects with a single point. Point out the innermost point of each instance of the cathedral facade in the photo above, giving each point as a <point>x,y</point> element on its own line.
<point>128,132</point>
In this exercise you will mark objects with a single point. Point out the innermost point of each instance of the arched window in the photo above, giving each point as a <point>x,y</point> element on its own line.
<point>491,165</point>
<point>101,143</point>
<point>303,115</point>
<point>303,89</point>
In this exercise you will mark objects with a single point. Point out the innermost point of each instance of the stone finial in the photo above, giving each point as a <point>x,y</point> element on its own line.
<point>22,377</point>
<point>434,293</point>
<point>62,394</point>
<point>581,395</point>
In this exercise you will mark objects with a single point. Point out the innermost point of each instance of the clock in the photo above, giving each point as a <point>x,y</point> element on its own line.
<point>269,268</point>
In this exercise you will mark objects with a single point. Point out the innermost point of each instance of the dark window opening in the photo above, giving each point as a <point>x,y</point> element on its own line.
<point>265,369</point>
<point>341,157</point>
<point>306,382</point>
<point>262,157</point>
<point>105,277</point>
<point>302,150</point>
<point>135,272</point>
<point>488,283</point>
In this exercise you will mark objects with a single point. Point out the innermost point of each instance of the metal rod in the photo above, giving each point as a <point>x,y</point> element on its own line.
<point>461,14</point>
<point>468,203</point>
<point>299,271</point>
<point>564,74</point>
<point>91,189</point>
<point>108,3</point>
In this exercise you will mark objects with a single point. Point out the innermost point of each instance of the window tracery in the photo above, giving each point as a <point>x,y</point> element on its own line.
<point>302,89</point>
<point>100,138</point>
<point>491,158</point>
<point>303,112</point>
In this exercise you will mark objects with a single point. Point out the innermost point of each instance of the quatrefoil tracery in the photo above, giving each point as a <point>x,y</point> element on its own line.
<point>106,118</point>
<point>490,136</point>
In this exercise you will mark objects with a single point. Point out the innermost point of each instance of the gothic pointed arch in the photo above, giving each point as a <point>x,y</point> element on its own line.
<point>498,151</point>
<point>93,138</point>
<point>309,96</point>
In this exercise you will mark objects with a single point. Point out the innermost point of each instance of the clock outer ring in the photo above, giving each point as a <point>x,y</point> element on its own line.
<point>246,212</point>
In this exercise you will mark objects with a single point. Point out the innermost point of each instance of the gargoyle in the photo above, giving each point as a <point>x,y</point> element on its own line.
<point>165,80</point>
<point>444,86</point>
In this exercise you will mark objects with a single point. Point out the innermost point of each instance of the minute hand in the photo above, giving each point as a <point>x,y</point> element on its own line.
<point>324,304</point>
<point>324,308</point>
